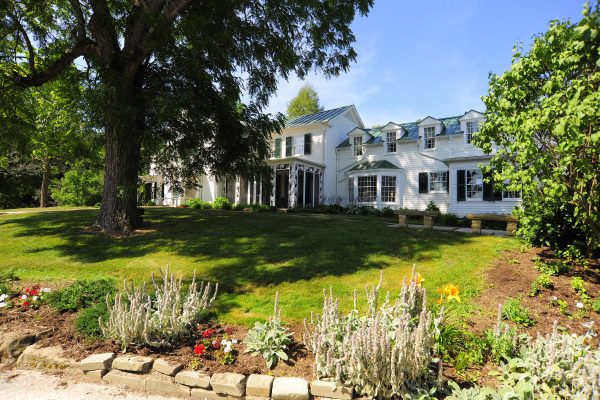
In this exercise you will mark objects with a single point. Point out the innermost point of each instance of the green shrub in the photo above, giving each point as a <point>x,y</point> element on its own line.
<point>222,203</point>
<point>78,187</point>
<point>503,342</point>
<point>578,285</point>
<point>432,206</point>
<point>269,340</point>
<point>447,219</point>
<point>596,306</point>
<point>198,203</point>
<point>6,282</point>
<point>388,212</point>
<point>553,268</point>
<point>87,321</point>
<point>260,208</point>
<point>81,294</point>
<point>375,212</point>
<point>239,207</point>
<point>512,310</point>
<point>543,281</point>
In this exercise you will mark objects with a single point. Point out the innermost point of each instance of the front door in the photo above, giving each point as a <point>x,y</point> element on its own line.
<point>282,188</point>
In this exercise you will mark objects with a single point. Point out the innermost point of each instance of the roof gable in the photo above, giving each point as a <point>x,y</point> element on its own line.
<point>390,126</point>
<point>429,121</point>
<point>369,165</point>
<point>471,114</point>
<point>320,117</point>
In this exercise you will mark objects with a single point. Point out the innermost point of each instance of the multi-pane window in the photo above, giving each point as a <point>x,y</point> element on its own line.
<point>474,184</point>
<point>390,138</point>
<point>388,189</point>
<point>358,149</point>
<point>438,181</point>
<point>429,136</point>
<point>351,190</point>
<point>367,189</point>
<point>511,194</point>
<point>472,127</point>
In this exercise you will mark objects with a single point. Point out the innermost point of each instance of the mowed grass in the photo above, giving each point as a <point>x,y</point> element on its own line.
<point>251,256</point>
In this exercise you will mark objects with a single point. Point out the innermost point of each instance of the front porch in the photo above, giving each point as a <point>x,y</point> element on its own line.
<point>296,184</point>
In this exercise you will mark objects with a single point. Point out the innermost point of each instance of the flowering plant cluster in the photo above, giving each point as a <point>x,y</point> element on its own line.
<point>217,344</point>
<point>30,297</point>
<point>448,293</point>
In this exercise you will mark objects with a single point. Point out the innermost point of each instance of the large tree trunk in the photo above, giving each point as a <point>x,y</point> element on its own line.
<point>124,119</point>
<point>45,184</point>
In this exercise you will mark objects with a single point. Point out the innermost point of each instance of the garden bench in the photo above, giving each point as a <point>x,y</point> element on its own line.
<point>511,222</point>
<point>427,217</point>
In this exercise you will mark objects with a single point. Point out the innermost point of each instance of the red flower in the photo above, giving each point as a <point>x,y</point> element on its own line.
<point>208,333</point>
<point>229,330</point>
<point>25,303</point>
<point>199,349</point>
<point>26,291</point>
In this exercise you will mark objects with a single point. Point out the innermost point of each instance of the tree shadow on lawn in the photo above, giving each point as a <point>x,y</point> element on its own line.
<point>240,249</point>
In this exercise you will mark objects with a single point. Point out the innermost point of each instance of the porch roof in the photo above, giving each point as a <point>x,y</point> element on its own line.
<point>367,165</point>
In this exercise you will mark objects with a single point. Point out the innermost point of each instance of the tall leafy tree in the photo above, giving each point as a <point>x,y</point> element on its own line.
<point>305,102</point>
<point>168,72</point>
<point>544,116</point>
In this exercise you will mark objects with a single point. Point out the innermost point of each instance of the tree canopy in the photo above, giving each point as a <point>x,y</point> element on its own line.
<point>305,102</point>
<point>167,75</point>
<point>543,116</point>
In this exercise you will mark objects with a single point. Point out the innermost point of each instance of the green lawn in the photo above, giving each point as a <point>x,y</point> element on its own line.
<point>250,255</point>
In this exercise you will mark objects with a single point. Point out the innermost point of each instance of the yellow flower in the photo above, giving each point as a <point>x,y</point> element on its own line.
<point>452,292</point>
<point>418,279</point>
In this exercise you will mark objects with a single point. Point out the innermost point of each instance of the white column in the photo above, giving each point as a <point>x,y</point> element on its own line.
<point>254,192</point>
<point>304,188</point>
<point>378,189</point>
<point>260,192</point>
<point>248,191</point>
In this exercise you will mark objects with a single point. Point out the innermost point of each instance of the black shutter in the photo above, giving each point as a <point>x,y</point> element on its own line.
<point>488,186</point>
<point>277,152</point>
<point>423,186</point>
<point>288,146</point>
<point>307,142</point>
<point>460,185</point>
<point>448,181</point>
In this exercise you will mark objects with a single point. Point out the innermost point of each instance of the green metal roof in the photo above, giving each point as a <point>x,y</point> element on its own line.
<point>322,116</point>
<point>367,165</point>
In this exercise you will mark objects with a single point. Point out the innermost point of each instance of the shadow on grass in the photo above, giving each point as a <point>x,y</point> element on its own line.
<point>238,249</point>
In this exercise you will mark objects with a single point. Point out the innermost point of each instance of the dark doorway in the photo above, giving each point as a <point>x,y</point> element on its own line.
<point>282,188</point>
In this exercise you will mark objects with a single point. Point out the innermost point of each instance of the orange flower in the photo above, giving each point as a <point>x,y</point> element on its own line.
<point>418,279</point>
<point>452,292</point>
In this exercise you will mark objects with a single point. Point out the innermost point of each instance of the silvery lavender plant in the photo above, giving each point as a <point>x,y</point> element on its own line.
<point>386,352</point>
<point>134,318</point>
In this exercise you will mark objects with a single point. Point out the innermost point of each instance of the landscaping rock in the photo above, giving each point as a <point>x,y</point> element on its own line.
<point>229,383</point>
<point>133,363</point>
<point>164,384</point>
<point>47,357</point>
<point>259,385</point>
<point>289,389</point>
<point>164,367</point>
<point>97,362</point>
<point>193,379</point>
<point>13,344</point>
<point>331,390</point>
<point>95,375</point>
<point>126,378</point>
<point>204,394</point>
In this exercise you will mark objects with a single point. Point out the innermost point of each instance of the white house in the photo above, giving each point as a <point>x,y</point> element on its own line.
<point>330,157</point>
<point>407,165</point>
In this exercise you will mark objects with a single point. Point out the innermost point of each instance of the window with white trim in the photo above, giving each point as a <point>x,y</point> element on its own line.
<point>388,189</point>
<point>390,138</point>
<point>438,181</point>
<point>357,142</point>
<point>474,184</point>
<point>351,198</point>
<point>511,194</point>
<point>472,128</point>
<point>367,189</point>
<point>429,137</point>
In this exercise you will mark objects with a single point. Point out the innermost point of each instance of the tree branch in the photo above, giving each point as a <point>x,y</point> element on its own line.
<point>30,49</point>
<point>80,19</point>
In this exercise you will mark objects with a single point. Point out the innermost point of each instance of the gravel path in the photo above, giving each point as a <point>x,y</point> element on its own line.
<point>35,385</point>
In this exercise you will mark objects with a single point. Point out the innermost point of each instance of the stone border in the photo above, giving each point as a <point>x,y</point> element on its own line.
<point>161,376</point>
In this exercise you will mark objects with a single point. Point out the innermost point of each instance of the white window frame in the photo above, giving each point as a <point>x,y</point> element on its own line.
<point>510,195</point>
<point>443,181</point>
<point>371,179</point>
<point>471,128</point>
<point>351,194</point>
<point>357,148</point>
<point>429,141</point>
<point>390,139</point>
<point>389,190</point>
<point>467,184</point>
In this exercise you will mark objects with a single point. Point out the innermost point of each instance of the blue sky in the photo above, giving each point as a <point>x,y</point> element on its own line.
<point>419,58</point>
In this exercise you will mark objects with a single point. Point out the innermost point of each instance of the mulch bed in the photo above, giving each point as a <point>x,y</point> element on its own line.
<point>510,276</point>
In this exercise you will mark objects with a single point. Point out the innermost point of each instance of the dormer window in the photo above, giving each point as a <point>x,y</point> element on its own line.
<point>472,127</point>
<point>429,137</point>
<point>390,139</point>
<point>357,142</point>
